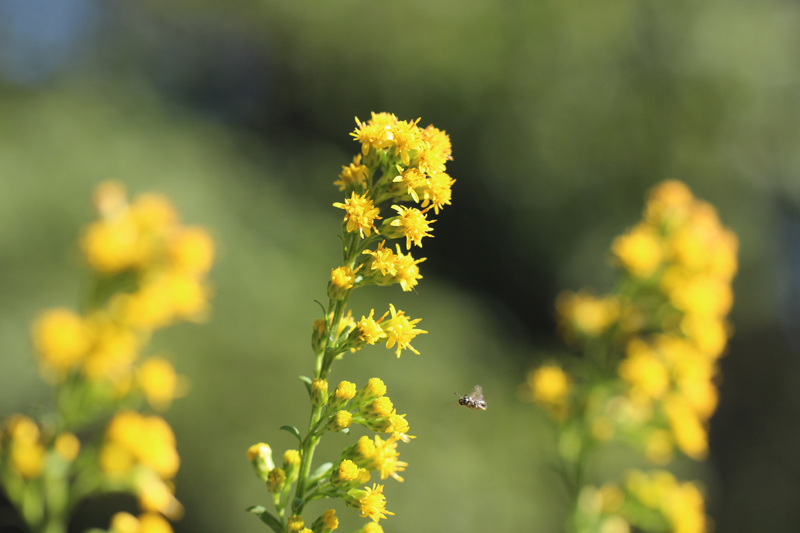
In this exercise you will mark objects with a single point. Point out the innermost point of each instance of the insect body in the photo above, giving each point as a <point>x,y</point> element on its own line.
<point>474,400</point>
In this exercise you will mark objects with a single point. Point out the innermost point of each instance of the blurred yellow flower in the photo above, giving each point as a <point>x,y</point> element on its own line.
<point>192,251</point>
<point>62,339</point>
<point>639,251</point>
<point>159,382</point>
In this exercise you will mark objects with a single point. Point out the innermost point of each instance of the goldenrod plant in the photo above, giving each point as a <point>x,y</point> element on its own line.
<point>400,163</point>
<point>647,365</point>
<point>100,433</point>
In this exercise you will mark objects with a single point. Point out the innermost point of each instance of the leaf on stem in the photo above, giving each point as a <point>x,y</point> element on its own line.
<point>267,518</point>
<point>294,431</point>
<point>307,381</point>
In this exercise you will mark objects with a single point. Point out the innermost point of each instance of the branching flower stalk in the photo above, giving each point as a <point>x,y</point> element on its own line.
<point>399,163</point>
<point>148,272</point>
<point>646,373</point>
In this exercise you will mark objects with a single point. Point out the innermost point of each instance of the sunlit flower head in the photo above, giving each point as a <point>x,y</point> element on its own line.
<point>400,331</point>
<point>375,133</point>
<point>406,137</point>
<point>353,176</point>
<point>411,180</point>
<point>192,251</point>
<point>159,382</point>
<point>62,339</point>
<point>383,259</point>
<point>369,329</point>
<point>412,223</point>
<point>370,501</point>
<point>438,191</point>
<point>360,214</point>
<point>639,250</point>
<point>407,270</point>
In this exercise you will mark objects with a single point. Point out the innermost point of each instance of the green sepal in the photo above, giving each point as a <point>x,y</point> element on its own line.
<point>267,518</point>
<point>294,431</point>
<point>307,381</point>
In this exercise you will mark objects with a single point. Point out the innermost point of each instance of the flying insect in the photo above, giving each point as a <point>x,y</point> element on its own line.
<point>473,400</point>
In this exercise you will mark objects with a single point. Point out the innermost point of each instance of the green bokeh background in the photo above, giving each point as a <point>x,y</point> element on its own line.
<point>562,115</point>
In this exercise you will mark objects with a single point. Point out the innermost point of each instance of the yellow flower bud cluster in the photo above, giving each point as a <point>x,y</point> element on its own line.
<point>145,523</point>
<point>141,246</point>
<point>22,442</point>
<point>140,451</point>
<point>144,237</point>
<point>550,387</point>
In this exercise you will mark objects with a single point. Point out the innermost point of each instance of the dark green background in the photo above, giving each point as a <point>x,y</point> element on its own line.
<point>562,115</point>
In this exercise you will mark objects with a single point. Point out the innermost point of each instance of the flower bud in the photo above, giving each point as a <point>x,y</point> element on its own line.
<point>291,464</point>
<point>343,394</point>
<point>67,446</point>
<point>326,523</point>
<point>342,280</point>
<point>295,524</point>
<point>276,480</point>
<point>340,420</point>
<point>348,474</point>
<point>318,337</point>
<point>379,407</point>
<point>261,456</point>
<point>373,389</point>
<point>319,392</point>
<point>361,453</point>
<point>370,527</point>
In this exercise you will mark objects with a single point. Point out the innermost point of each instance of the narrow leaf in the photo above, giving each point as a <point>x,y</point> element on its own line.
<point>307,381</point>
<point>294,431</point>
<point>321,470</point>
<point>267,518</point>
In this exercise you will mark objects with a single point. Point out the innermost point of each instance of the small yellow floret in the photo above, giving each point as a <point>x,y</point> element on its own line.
<point>639,251</point>
<point>158,381</point>
<point>124,523</point>
<point>192,251</point>
<point>62,339</point>
<point>67,446</point>
<point>400,330</point>
<point>369,329</point>
<point>360,214</point>
<point>413,224</point>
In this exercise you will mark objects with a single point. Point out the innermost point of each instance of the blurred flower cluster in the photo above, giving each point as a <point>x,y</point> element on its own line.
<point>649,350</point>
<point>148,271</point>
<point>400,163</point>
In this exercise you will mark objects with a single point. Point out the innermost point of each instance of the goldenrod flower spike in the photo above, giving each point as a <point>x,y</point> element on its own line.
<point>399,162</point>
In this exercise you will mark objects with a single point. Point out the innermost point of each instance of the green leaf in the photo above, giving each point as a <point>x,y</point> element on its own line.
<point>294,431</point>
<point>267,518</point>
<point>307,381</point>
<point>321,470</point>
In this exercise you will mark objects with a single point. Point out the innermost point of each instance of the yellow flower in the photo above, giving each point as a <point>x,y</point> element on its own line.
<point>371,502</point>
<point>374,133</point>
<point>370,527</point>
<point>410,223</point>
<point>158,381</point>
<point>385,459</point>
<point>124,523</point>
<point>644,371</point>
<point>400,330</point>
<point>113,245</point>
<point>550,385</point>
<point>67,446</point>
<point>342,280</point>
<point>62,339</point>
<point>153,523</point>
<point>361,452</point>
<point>438,191</point>
<point>690,435</point>
<point>348,474</point>
<point>360,214</point>
<point>343,394</point>
<point>406,137</point>
<point>639,251</point>
<point>291,464</point>
<point>113,352</point>
<point>156,496</point>
<point>26,452</point>
<point>260,455</point>
<point>276,480</point>
<point>383,259</point>
<point>370,330</point>
<point>668,203</point>
<point>340,420</point>
<point>412,180</point>
<point>192,251</point>
<point>353,176</point>
<point>147,439</point>
<point>585,313</point>
<point>703,296</point>
<point>379,407</point>
<point>153,213</point>
<point>295,524</point>
<point>407,270</point>
<point>327,522</point>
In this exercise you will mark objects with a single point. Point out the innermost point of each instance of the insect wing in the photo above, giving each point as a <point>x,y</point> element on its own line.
<point>476,394</point>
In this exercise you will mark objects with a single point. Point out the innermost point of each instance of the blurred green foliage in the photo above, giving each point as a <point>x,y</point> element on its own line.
<point>562,114</point>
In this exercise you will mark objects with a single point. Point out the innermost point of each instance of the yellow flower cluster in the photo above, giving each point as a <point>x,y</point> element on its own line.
<point>150,273</point>
<point>550,387</point>
<point>140,451</point>
<point>22,439</point>
<point>681,504</point>
<point>145,523</point>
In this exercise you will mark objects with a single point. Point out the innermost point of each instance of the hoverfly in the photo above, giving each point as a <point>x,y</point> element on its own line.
<point>474,400</point>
